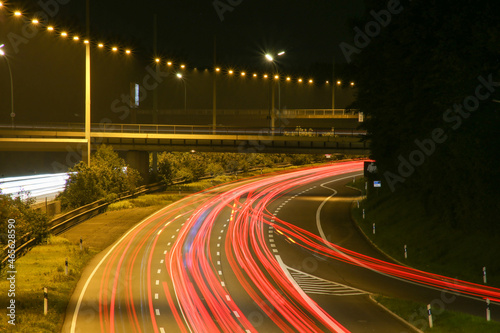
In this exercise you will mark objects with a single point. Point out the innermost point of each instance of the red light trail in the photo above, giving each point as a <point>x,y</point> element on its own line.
<point>197,294</point>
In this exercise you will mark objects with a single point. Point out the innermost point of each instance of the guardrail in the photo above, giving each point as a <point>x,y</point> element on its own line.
<point>66,221</point>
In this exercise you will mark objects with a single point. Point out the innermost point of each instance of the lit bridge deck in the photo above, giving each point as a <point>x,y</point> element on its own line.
<point>71,137</point>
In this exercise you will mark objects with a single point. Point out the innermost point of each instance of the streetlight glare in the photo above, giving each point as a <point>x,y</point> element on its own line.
<point>35,21</point>
<point>179,75</point>
<point>50,28</point>
<point>269,57</point>
<point>17,13</point>
<point>281,53</point>
<point>2,53</point>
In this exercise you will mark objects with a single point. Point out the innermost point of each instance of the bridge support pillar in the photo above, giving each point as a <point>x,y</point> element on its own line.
<point>154,166</point>
<point>139,160</point>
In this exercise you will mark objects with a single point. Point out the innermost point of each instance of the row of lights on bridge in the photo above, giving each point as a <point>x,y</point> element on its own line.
<point>170,64</point>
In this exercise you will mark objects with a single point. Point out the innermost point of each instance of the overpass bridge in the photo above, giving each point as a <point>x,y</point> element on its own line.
<point>146,137</point>
<point>138,140</point>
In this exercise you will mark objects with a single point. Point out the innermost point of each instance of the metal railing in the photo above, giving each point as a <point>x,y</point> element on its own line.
<point>192,129</point>
<point>319,112</point>
<point>68,220</point>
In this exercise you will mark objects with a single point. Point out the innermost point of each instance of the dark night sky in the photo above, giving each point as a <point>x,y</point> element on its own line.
<point>310,31</point>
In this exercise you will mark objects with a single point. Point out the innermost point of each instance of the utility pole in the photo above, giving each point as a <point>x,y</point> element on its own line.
<point>155,91</point>
<point>334,83</point>
<point>214,97</point>
<point>155,51</point>
<point>87,86</point>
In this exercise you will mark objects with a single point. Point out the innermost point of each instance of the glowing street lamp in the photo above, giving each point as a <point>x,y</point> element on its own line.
<point>12,114</point>
<point>271,59</point>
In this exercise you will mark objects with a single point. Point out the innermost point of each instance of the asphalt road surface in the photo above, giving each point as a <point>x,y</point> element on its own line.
<point>271,254</point>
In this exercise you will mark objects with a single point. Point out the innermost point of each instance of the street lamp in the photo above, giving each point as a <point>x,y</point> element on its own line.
<point>179,75</point>
<point>271,59</point>
<point>12,114</point>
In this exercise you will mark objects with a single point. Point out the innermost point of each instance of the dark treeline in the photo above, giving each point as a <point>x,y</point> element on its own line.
<point>429,82</point>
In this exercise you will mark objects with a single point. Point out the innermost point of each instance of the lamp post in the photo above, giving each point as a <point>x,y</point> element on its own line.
<point>12,114</point>
<point>179,75</point>
<point>270,58</point>
<point>87,90</point>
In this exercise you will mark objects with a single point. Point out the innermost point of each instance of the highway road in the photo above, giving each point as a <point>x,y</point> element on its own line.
<point>271,254</point>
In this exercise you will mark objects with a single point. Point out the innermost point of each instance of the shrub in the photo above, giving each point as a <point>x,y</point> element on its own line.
<point>27,220</point>
<point>107,174</point>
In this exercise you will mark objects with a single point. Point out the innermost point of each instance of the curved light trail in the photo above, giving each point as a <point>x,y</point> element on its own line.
<point>235,225</point>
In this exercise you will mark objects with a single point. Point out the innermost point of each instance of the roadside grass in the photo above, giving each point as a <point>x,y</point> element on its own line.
<point>146,200</point>
<point>43,267</point>
<point>444,321</point>
<point>432,247</point>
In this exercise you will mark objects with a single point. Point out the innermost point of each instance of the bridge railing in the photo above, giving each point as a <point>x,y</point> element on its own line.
<point>318,113</point>
<point>193,129</point>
